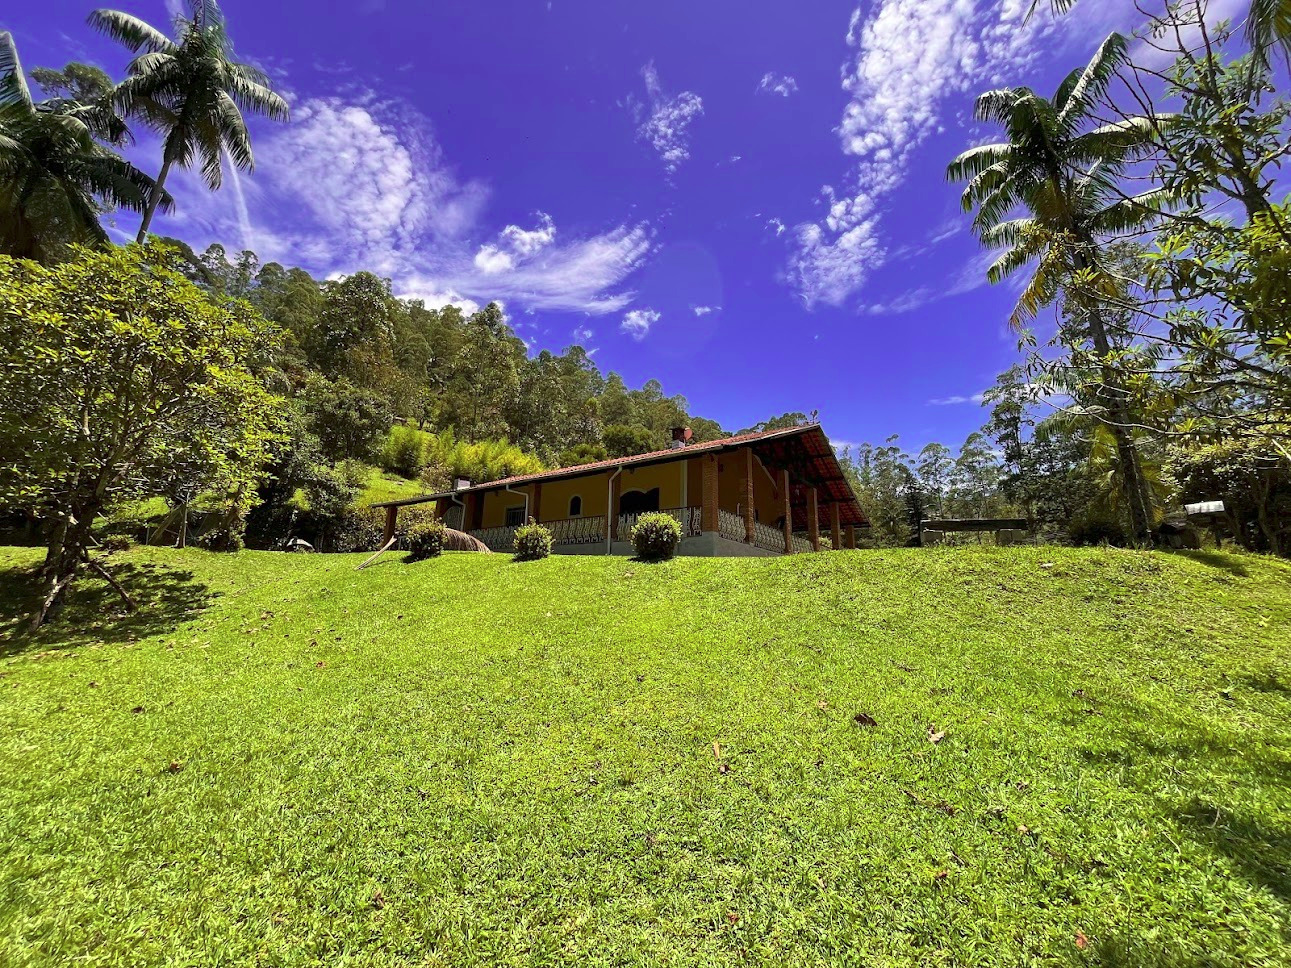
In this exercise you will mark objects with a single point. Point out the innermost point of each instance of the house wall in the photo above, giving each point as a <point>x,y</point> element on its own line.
<point>680,484</point>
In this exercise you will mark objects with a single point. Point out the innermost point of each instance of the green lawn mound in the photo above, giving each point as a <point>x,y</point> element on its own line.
<point>949,757</point>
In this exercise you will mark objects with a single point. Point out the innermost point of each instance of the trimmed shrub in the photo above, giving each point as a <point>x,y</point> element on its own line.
<point>533,541</point>
<point>425,540</point>
<point>656,536</point>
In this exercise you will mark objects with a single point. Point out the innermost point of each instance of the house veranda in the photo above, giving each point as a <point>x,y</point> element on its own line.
<point>768,493</point>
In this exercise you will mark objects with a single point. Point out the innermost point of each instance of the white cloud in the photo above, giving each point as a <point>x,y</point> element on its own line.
<point>362,184</point>
<point>773,83</point>
<point>669,118</point>
<point>517,244</point>
<point>582,334</point>
<point>952,401</point>
<point>705,310</point>
<point>776,225</point>
<point>637,323</point>
<point>911,56</point>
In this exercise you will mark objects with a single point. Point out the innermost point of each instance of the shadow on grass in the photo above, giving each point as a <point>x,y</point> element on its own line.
<point>1262,854</point>
<point>1255,848</point>
<point>1224,561</point>
<point>167,598</point>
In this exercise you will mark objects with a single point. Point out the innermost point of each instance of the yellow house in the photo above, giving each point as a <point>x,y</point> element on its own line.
<point>767,493</point>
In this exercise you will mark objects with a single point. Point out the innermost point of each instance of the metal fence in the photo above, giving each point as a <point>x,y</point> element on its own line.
<point>690,519</point>
<point>768,538</point>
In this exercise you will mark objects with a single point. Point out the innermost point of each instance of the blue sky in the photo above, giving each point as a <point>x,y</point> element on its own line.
<point>745,201</point>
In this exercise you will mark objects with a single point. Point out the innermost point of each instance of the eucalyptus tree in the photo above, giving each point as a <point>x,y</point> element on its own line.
<point>1062,174</point>
<point>192,91</point>
<point>56,176</point>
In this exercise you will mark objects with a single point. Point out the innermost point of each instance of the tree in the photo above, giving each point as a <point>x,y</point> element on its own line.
<point>622,440</point>
<point>1065,177</point>
<point>56,178</point>
<point>191,91</point>
<point>115,370</point>
<point>349,421</point>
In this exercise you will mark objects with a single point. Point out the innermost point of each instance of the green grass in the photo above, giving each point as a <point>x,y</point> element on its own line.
<point>387,487</point>
<point>468,761</point>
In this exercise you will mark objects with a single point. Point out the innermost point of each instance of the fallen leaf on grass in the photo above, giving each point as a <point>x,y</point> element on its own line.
<point>378,900</point>
<point>733,918</point>
<point>319,665</point>
<point>174,767</point>
<point>717,750</point>
<point>940,875</point>
<point>137,710</point>
<point>935,735</point>
<point>864,719</point>
<point>1082,942</point>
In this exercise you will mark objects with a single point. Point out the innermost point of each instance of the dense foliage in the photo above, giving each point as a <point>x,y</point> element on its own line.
<point>655,536</point>
<point>426,540</point>
<point>532,542</point>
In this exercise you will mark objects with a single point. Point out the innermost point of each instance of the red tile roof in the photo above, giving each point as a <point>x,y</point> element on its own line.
<point>820,458</point>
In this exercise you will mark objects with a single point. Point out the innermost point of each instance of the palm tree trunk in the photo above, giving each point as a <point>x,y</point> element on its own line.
<point>1133,482</point>
<point>153,198</point>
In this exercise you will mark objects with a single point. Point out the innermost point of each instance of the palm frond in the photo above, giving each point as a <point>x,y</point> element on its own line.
<point>997,106</point>
<point>974,161</point>
<point>1268,25</point>
<point>130,31</point>
<point>13,83</point>
<point>1092,82</point>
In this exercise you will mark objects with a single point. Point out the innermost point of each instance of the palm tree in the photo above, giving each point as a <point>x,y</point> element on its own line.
<point>192,91</point>
<point>56,179</point>
<point>1064,177</point>
<point>1268,24</point>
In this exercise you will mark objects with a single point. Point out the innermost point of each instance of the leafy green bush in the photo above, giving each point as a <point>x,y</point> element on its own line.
<point>362,529</point>
<point>533,541</point>
<point>656,536</point>
<point>116,542</point>
<point>425,540</point>
<point>404,451</point>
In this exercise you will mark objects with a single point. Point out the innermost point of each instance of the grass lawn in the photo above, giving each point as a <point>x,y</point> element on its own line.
<point>599,762</point>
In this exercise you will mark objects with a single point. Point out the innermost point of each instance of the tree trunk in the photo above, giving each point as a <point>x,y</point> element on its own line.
<point>63,558</point>
<point>153,198</point>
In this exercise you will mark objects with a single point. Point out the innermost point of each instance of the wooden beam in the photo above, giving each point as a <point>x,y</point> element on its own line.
<point>836,531</point>
<point>851,537</point>
<point>392,515</point>
<point>748,494</point>
<point>535,506</point>
<point>787,494</point>
<point>813,519</point>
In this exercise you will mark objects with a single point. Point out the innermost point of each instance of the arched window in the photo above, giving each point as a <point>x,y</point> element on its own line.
<point>575,506</point>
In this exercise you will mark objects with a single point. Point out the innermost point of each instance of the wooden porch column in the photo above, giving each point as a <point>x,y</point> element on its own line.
<point>788,511</point>
<point>392,514</point>
<point>813,519</point>
<point>851,537</point>
<point>708,514</point>
<point>535,506</point>
<point>748,494</point>
<point>836,532</point>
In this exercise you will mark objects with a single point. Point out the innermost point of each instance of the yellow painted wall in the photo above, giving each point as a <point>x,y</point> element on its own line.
<point>667,477</point>
<point>556,495</point>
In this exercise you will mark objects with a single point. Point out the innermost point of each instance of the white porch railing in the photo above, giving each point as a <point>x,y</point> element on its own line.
<point>577,531</point>
<point>768,538</point>
<point>690,519</point>
<point>498,539</point>
<point>730,526</point>
<point>801,545</point>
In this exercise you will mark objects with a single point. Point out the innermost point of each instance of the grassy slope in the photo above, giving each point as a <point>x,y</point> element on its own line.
<point>470,761</point>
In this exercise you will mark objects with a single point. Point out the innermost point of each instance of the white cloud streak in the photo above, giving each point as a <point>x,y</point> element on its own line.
<point>911,56</point>
<point>781,84</point>
<point>362,184</point>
